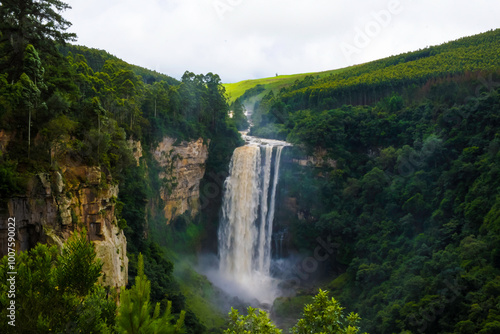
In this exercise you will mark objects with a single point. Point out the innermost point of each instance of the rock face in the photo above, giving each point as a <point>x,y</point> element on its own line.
<point>136,148</point>
<point>4,141</point>
<point>318,159</point>
<point>183,167</point>
<point>59,203</point>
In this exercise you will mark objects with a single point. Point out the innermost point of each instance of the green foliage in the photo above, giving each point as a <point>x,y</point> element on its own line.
<point>256,321</point>
<point>286,310</point>
<point>39,23</point>
<point>97,58</point>
<point>9,179</point>
<point>367,83</point>
<point>97,312</point>
<point>135,314</point>
<point>202,298</point>
<point>406,184</point>
<point>326,316</point>
<point>57,292</point>
<point>78,268</point>
<point>412,76</point>
<point>323,315</point>
<point>255,89</point>
<point>415,219</point>
<point>239,118</point>
<point>89,120</point>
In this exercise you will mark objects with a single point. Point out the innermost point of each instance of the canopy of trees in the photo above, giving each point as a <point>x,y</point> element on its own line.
<point>62,105</point>
<point>412,199</point>
<point>323,315</point>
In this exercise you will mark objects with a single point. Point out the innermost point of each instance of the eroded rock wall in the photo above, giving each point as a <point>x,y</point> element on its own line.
<point>59,203</point>
<point>183,167</point>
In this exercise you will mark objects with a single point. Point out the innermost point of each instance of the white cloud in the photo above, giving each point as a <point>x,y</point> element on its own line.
<point>256,38</point>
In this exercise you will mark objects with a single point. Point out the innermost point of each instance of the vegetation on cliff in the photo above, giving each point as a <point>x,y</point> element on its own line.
<point>57,292</point>
<point>64,105</point>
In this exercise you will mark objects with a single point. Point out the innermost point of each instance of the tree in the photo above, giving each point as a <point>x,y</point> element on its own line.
<point>30,100</point>
<point>57,132</point>
<point>257,321</point>
<point>57,292</point>
<point>326,316</point>
<point>134,314</point>
<point>217,108</point>
<point>78,269</point>
<point>32,81</point>
<point>33,22</point>
<point>322,316</point>
<point>239,118</point>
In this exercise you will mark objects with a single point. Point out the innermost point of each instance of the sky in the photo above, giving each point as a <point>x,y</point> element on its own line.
<point>249,39</point>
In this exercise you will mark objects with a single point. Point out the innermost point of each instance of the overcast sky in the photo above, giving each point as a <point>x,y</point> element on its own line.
<point>248,39</point>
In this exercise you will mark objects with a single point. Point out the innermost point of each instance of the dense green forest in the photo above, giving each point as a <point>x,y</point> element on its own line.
<point>64,104</point>
<point>412,202</point>
<point>463,65</point>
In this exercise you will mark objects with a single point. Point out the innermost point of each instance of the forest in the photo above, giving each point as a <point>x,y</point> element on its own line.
<point>66,104</point>
<point>411,202</point>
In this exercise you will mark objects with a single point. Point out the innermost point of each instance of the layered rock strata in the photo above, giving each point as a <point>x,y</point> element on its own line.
<point>183,167</point>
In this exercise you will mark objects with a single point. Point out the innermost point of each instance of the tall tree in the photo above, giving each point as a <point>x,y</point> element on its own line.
<point>24,22</point>
<point>33,84</point>
<point>135,312</point>
<point>239,118</point>
<point>57,291</point>
<point>216,102</point>
<point>326,316</point>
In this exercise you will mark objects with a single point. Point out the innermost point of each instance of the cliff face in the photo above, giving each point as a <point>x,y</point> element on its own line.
<point>59,203</point>
<point>183,167</point>
<point>318,159</point>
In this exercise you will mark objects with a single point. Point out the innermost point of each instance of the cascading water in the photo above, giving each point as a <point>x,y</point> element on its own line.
<point>246,224</point>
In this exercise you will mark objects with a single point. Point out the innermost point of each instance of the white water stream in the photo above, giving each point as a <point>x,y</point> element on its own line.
<point>246,224</point>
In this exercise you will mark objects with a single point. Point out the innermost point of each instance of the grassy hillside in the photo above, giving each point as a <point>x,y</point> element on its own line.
<point>367,83</point>
<point>238,89</point>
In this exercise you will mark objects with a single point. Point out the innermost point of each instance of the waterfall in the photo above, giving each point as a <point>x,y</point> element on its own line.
<point>262,240</point>
<point>270,216</point>
<point>246,223</point>
<point>237,230</point>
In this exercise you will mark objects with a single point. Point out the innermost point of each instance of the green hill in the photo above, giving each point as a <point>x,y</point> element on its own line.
<point>366,83</point>
<point>406,184</point>
<point>97,58</point>
<point>238,89</point>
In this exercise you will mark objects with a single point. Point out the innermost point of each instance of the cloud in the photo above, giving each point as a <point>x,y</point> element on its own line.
<point>243,39</point>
